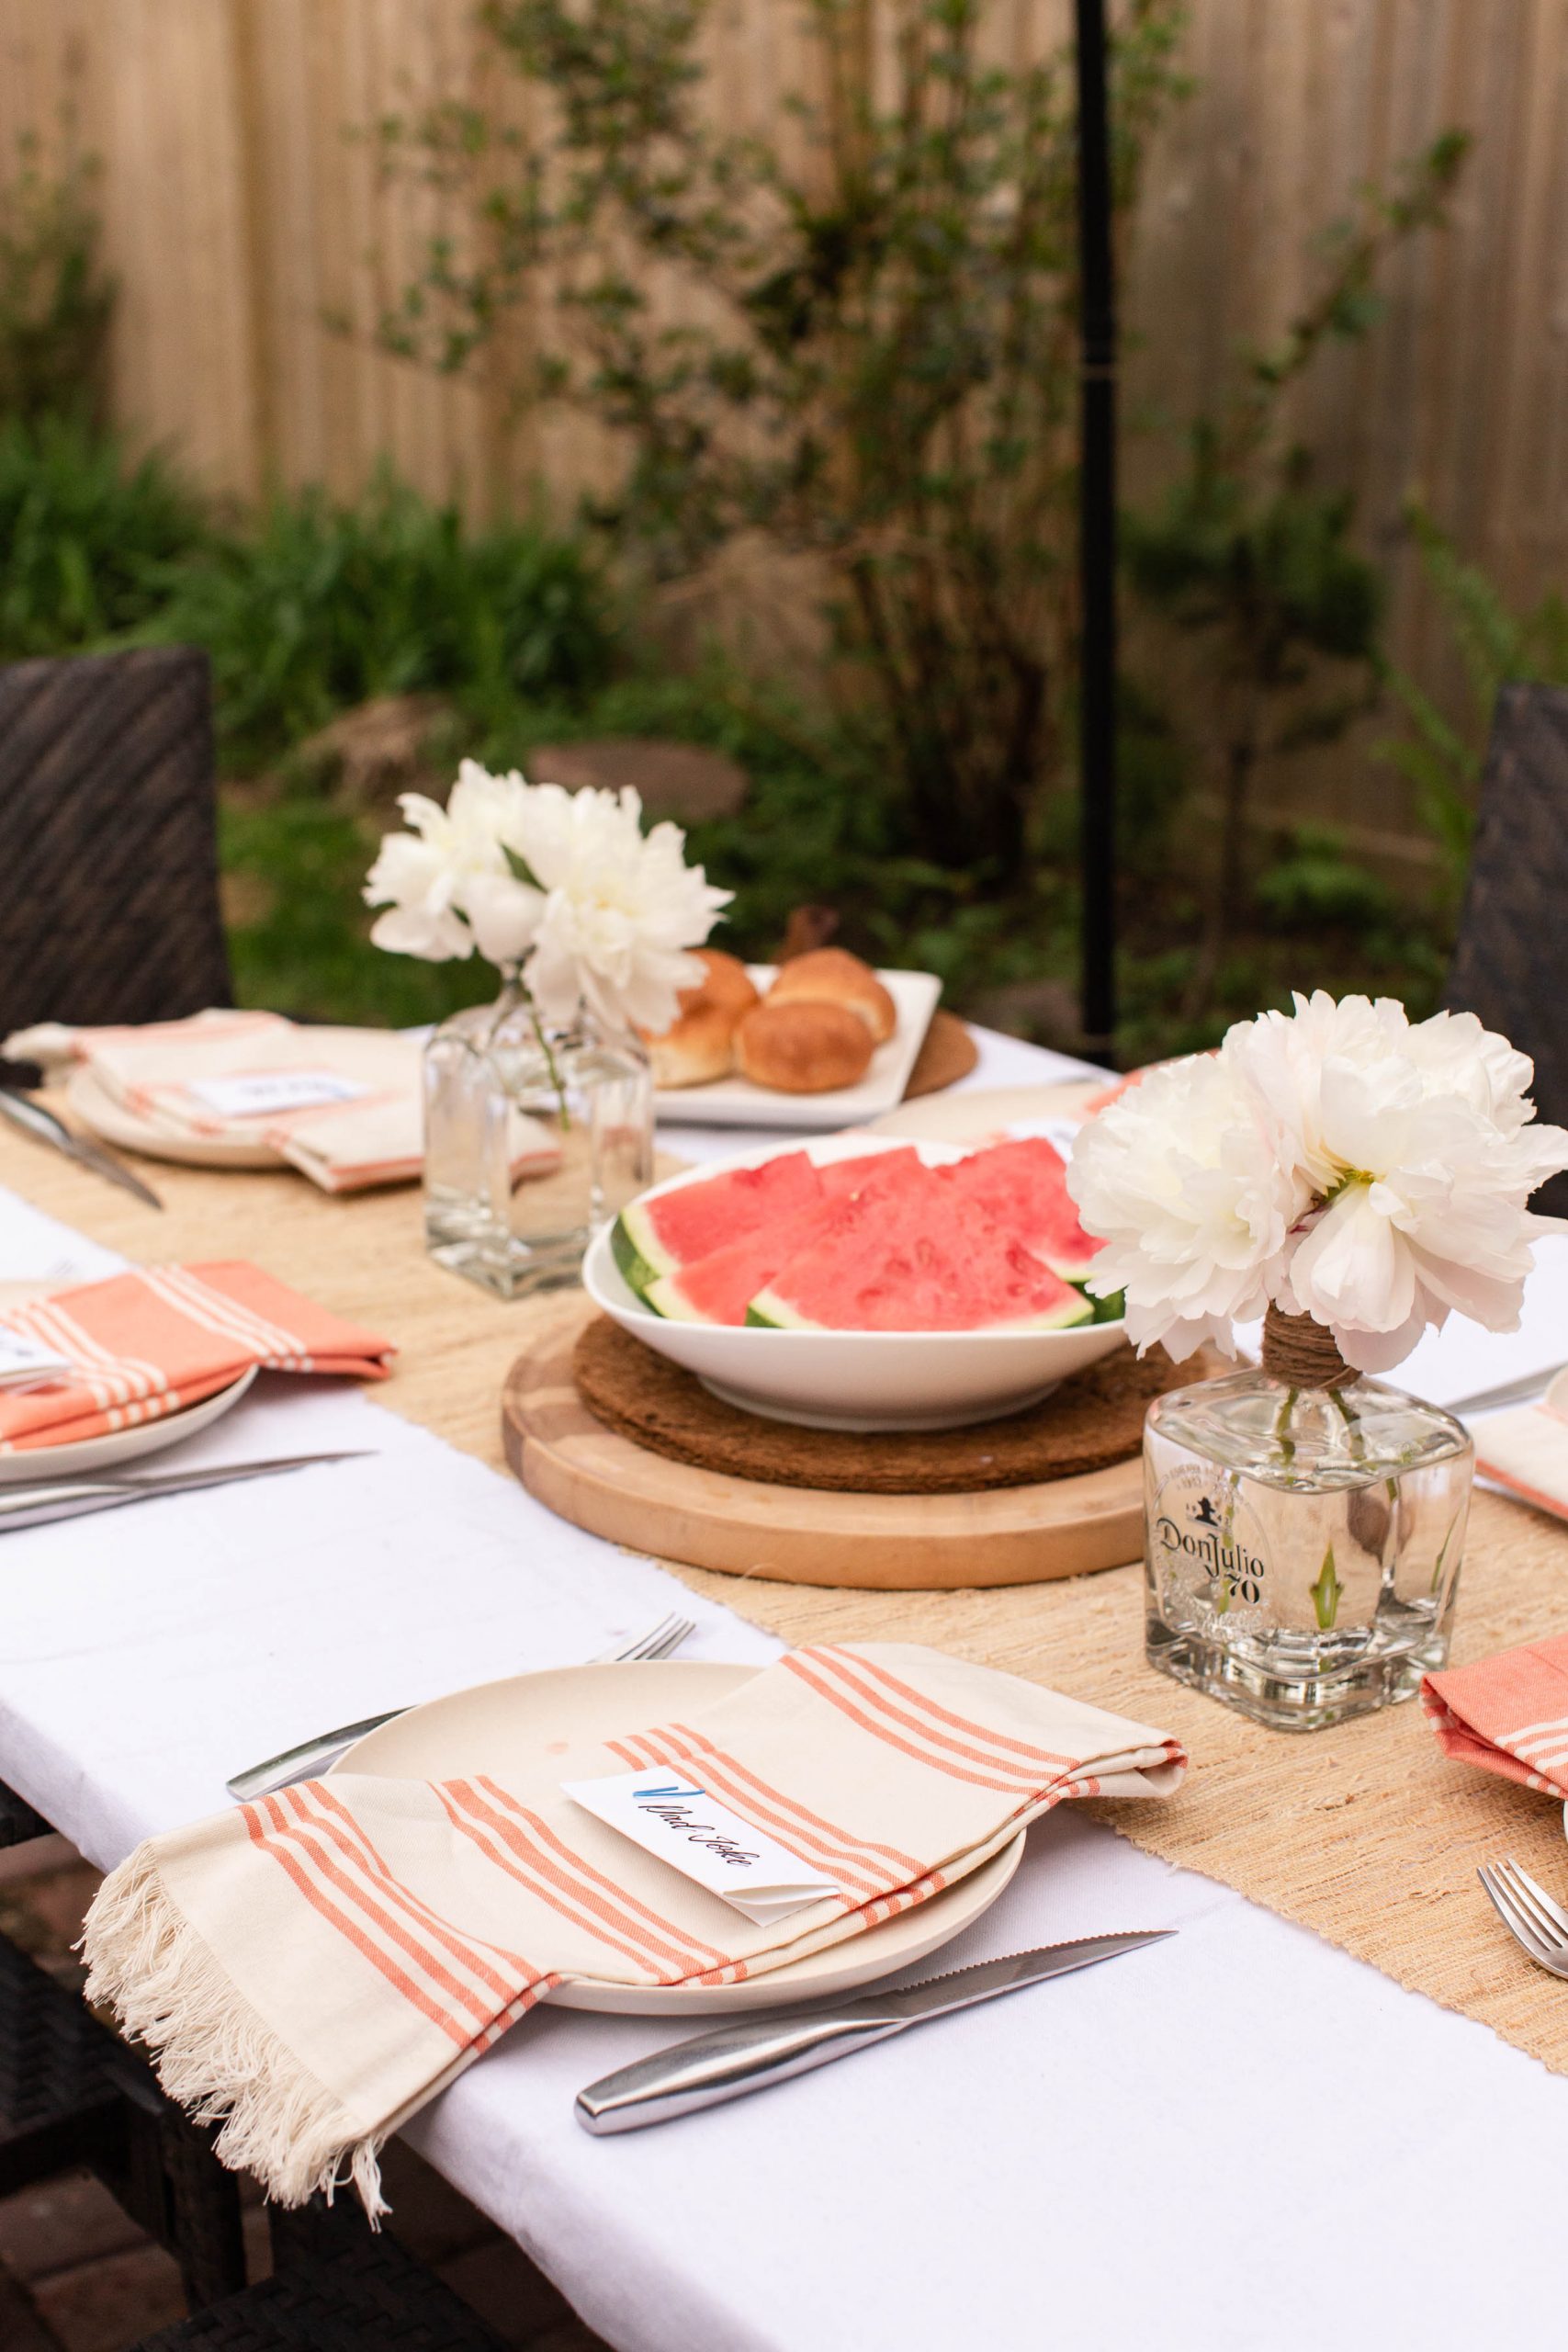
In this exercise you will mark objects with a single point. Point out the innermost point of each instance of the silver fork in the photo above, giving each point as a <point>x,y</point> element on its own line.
<point>313,1756</point>
<point>1529,1913</point>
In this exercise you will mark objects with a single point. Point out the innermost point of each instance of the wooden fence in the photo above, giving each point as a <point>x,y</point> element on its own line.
<point>240,209</point>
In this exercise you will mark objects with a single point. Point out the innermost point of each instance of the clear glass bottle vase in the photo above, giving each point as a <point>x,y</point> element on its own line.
<point>1303,1533</point>
<point>534,1137</point>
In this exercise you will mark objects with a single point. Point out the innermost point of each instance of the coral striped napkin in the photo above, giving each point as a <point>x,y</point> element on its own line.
<point>1508,1714</point>
<point>144,1344</point>
<point>1527,1449</point>
<point>316,1967</point>
<point>177,1077</point>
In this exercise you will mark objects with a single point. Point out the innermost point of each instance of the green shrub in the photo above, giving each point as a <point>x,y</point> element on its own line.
<point>323,606</point>
<point>88,541</point>
<point>55,300</point>
<point>1317,885</point>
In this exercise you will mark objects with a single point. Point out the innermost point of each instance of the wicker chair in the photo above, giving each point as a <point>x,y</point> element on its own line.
<point>1510,964</point>
<point>71,2093</point>
<point>336,2287</point>
<point>108,910</point>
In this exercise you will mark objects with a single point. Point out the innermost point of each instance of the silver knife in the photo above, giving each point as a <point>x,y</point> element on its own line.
<point>1512,1392</point>
<point>36,1502</point>
<point>762,2050</point>
<point>44,1127</point>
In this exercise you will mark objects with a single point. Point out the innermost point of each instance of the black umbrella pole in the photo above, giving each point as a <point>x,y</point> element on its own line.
<point>1096,523</point>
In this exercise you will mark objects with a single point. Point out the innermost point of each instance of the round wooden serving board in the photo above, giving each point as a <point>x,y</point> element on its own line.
<point>588,1473</point>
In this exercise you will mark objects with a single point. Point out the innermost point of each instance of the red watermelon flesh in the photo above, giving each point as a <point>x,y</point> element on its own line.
<point>655,1237</point>
<point>719,1287</point>
<point>1023,1186</point>
<point>843,1177</point>
<point>915,1258</point>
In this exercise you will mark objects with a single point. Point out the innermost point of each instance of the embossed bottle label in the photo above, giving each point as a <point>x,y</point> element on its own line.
<point>1204,1534</point>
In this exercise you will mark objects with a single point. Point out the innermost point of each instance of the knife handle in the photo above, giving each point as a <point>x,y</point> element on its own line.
<point>723,2066</point>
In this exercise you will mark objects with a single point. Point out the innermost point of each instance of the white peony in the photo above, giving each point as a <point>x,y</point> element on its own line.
<point>452,864</point>
<point>1184,1179</point>
<point>565,885</point>
<point>621,907</point>
<point>1407,1152</point>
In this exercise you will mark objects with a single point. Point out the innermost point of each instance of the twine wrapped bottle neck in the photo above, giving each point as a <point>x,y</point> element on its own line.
<point>1302,1354</point>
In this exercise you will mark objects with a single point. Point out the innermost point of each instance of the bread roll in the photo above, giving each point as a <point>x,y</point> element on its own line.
<point>804,1048</point>
<point>699,1045</point>
<point>727,982</point>
<point>832,976</point>
<point>700,1042</point>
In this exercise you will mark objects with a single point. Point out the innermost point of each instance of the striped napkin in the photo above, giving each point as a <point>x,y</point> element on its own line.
<point>314,1967</point>
<point>373,1134</point>
<point>1527,1449</point>
<point>1508,1714</point>
<point>147,1344</point>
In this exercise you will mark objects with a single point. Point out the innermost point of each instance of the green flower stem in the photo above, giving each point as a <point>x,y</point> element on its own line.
<point>556,1080</point>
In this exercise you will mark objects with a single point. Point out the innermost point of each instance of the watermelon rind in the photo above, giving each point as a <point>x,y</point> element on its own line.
<point>636,1251</point>
<point>663,1294</point>
<point>777,1314</point>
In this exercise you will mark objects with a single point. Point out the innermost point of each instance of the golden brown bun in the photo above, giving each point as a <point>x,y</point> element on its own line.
<point>802,1048</point>
<point>727,982</point>
<point>832,976</point>
<point>698,1047</point>
<point>700,1042</point>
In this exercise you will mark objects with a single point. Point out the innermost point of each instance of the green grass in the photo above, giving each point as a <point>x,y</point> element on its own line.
<point>319,607</point>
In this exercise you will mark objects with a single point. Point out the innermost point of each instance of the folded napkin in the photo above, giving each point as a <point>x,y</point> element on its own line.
<point>144,1344</point>
<point>314,1967</point>
<point>1508,1714</point>
<point>1527,1449</point>
<point>178,1077</point>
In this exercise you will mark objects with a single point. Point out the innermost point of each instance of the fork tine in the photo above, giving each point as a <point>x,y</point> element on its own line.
<point>672,1634</point>
<point>1533,1903</point>
<point>1557,1920</point>
<point>1503,1903</point>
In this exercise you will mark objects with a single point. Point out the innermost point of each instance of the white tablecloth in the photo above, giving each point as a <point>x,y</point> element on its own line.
<point>1241,2138</point>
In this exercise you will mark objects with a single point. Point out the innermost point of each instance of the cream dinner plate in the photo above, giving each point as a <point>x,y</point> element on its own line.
<point>517,1731</point>
<point>112,1123</point>
<point>980,1113</point>
<point>120,1446</point>
<point>736,1102</point>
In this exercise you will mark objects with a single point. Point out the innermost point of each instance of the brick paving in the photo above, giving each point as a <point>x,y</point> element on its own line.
<point>76,2275</point>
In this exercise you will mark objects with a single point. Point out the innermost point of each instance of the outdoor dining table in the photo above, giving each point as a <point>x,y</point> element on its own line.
<point>1241,2137</point>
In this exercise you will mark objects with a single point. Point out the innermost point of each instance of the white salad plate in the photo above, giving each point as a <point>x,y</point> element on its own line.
<point>519,1730</point>
<point>120,1446</point>
<point>112,1123</point>
<point>851,1380</point>
<point>736,1102</point>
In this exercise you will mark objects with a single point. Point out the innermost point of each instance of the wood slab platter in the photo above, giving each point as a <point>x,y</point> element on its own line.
<point>602,1481</point>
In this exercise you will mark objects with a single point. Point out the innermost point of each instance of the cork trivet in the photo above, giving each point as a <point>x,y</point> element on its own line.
<point>947,1054</point>
<point>1365,1833</point>
<point>1093,1419</point>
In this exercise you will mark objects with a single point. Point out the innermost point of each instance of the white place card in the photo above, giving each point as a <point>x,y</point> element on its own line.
<point>24,1360</point>
<point>263,1093</point>
<point>683,1823</point>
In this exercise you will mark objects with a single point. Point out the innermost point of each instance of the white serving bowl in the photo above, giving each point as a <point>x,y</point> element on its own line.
<point>851,1380</point>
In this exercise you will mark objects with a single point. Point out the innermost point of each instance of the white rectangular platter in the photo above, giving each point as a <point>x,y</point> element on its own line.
<point>736,1103</point>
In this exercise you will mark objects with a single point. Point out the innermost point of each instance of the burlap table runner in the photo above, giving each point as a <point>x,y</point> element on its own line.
<point>1365,1833</point>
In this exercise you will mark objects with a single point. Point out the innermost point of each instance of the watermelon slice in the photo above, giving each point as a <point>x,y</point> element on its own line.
<point>916,1258</point>
<point>719,1287</point>
<point>841,1178</point>
<point>658,1233</point>
<point>1023,1186</point>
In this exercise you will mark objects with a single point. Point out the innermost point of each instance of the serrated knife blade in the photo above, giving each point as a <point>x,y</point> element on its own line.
<point>757,2051</point>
